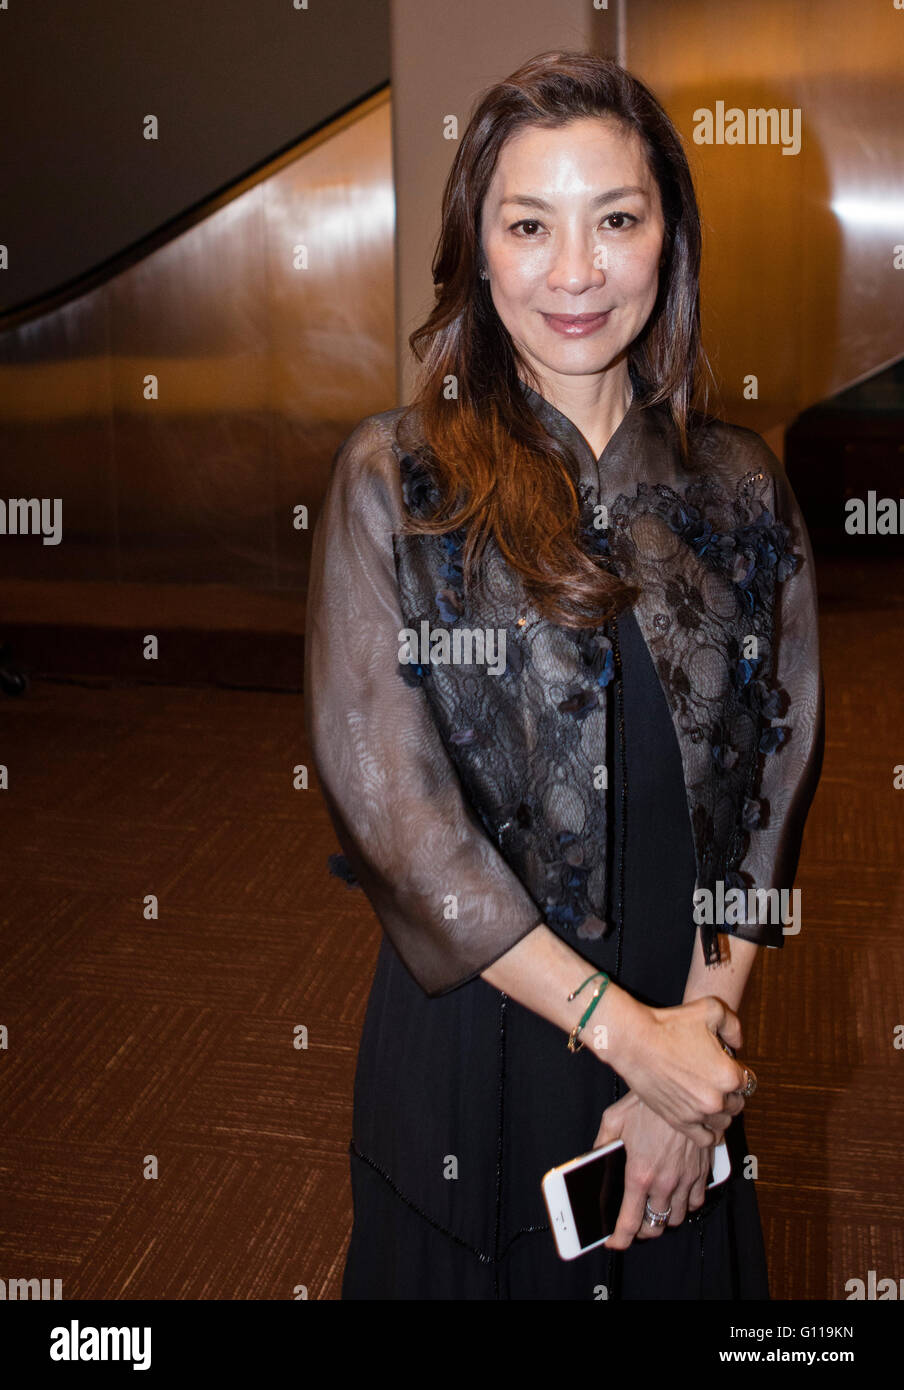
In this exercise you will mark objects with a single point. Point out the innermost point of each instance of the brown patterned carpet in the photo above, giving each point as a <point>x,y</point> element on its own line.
<point>172,1038</point>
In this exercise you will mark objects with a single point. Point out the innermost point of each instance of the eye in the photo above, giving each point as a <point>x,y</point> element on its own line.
<point>526,223</point>
<point>621,219</point>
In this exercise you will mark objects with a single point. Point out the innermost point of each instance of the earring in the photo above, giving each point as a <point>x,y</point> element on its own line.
<point>484,275</point>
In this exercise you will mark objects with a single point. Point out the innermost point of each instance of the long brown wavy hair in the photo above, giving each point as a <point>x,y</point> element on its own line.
<point>498,471</point>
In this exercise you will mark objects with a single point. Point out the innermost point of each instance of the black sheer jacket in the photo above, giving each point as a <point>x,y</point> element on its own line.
<point>471,802</point>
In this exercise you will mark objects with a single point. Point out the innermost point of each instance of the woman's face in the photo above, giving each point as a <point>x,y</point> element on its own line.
<point>572,235</point>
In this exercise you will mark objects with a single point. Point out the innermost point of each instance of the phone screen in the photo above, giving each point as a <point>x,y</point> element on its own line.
<point>595,1191</point>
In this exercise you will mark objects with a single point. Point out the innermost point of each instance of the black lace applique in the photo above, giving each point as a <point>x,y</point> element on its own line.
<point>525,744</point>
<point>528,744</point>
<point>736,538</point>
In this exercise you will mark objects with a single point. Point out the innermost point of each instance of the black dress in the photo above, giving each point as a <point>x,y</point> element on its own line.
<point>464,1101</point>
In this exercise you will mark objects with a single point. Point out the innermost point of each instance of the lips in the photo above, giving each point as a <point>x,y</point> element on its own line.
<point>577,325</point>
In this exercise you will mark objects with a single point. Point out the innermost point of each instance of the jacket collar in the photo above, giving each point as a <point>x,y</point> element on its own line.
<point>643,448</point>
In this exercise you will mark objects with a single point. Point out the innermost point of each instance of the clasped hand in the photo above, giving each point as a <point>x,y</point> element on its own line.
<point>683,1097</point>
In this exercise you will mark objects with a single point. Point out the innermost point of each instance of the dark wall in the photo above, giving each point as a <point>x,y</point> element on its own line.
<point>231,82</point>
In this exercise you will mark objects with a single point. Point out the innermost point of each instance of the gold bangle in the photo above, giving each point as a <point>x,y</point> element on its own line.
<point>573,1044</point>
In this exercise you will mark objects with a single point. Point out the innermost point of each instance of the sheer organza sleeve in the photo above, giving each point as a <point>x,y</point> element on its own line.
<point>446,898</point>
<point>793,736</point>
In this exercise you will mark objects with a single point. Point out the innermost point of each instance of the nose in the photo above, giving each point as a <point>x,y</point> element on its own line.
<point>578,264</point>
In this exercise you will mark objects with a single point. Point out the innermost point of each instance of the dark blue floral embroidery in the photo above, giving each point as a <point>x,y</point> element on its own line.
<point>420,496</point>
<point>569,907</point>
<point>771,703</point>
<point>772,738</point>
<point>597,653</point>
<point>449,604</point>
<point>580,704</point>
<point>339,865</point>
<point>564,914</point>
<point>452,543</point>
<point>595,538</point>
<point>413,672</point>
<point>570,845</point>
<point>748,554</point>
<point>754,555</point>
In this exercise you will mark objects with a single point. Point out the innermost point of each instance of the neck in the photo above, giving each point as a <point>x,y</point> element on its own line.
<point>595,405</point>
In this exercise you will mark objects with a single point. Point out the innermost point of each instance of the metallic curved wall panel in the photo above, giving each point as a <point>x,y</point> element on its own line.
<point>800,287</point>
<point>266,330</point>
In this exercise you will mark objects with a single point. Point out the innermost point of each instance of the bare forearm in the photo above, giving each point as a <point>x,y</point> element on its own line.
<point>541,970</point>
<point>727,980</point>
<point>669,1056</point>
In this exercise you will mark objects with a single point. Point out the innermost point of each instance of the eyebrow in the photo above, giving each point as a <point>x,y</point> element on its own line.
<point>526,201</point>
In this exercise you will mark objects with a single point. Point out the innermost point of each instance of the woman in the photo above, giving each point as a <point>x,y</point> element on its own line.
<point>563,690</point>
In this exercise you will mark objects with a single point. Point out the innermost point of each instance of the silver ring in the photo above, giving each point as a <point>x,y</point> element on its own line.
<point>656,1218</point>
<point>749,1087</point>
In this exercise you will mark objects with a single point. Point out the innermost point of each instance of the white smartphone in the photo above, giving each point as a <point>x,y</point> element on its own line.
<point>584,1195</point>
